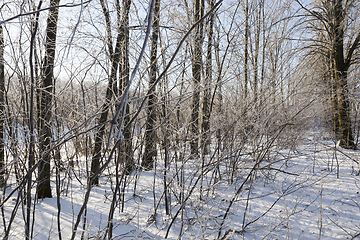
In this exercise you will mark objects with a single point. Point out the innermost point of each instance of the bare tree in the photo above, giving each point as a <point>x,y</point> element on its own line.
<point>340,47</point>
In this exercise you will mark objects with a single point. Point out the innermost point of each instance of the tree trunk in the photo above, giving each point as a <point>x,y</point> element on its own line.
<point>346,138</point>
<point>126,149</point>
<point>207,93</point>
<point>150,133</point>
<point>246,53</point>
<point>34,27</point>
<point>43,188</point>
<point>256,54</point>
<point>196,72</point>
<point>333,97</point>
<point>115,59</point>
<point>2,109</point>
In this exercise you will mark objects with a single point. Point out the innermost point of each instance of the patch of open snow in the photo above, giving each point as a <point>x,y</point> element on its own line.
<point>293,195</point>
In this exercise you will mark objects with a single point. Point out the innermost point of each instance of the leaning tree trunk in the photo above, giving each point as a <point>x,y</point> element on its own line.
<point>150,133</point>
<point>43,188</point>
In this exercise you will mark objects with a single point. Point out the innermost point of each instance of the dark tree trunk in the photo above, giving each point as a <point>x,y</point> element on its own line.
<point>31,124</point>
<point>345,130</point>
<point>43,188</point>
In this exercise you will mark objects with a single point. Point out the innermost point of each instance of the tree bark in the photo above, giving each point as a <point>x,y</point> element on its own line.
<point>2,109</point>
<point>114,59</point>
<point>150,133</point>
<point>196,72</point>
<point>346,138</point>
<point>333,96</point>
<point>43,188</point>
<point>256,54</point>
<point>126,149</point>
<point>246,53</point>
<point>207,93</point>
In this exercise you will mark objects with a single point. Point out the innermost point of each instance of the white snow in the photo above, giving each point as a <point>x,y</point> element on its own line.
<point>311,192</point>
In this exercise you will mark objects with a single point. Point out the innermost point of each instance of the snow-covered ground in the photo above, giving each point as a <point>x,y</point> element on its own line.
<point>307,192</point>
